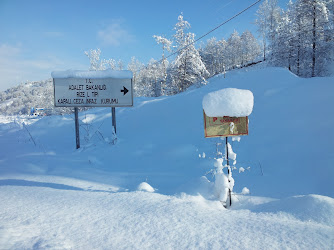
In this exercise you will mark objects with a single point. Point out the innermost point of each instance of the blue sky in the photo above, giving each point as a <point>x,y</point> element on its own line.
<point>38,37</point>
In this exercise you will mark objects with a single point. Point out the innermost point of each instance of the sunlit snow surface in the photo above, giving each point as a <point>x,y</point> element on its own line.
<point>56,197</point>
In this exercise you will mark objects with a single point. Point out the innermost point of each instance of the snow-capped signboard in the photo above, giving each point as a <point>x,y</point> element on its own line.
<point>226,112</point>
<point>104,88</point>
<point>225,126</point>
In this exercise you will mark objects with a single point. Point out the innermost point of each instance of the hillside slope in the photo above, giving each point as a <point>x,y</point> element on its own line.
<point>289,147</point>
<point>72,198</point>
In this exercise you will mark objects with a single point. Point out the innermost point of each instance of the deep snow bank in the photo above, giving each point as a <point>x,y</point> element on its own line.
<point>53,196</point>
<point>289,147</point>
<point>50,217</point>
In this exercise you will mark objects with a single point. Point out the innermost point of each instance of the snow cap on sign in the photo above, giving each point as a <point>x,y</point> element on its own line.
<point>144,186</point>
<point>228,102</point>
<point>108,73</point>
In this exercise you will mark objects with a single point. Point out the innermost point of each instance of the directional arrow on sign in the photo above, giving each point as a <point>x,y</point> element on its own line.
<point>124,90</point>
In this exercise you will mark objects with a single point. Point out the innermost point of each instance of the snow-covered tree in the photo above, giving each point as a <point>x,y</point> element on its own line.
<point>135,66</point>
<point>250,47</point>
<point>109,63</point>
<point>210,56</point>
<point>300,38</point>
<point>234,50</point>
<point>120,65</point>
<point>268,18</point>
<point>149,83</point>
<point>222,44</point>
<point>94,59</point>
<point>330,30</point>
<point>180,32</point>
<point>99,64</point>
<point>283,48</point>
<point>166,46</point>
<point>311,23</point>
<point>187,67</point>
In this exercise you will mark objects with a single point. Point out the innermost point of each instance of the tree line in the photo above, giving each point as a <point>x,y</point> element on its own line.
<point>189,66</point>
<point>299,38</point>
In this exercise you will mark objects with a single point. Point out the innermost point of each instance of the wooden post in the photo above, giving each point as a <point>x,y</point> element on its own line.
<point>77,135</point>
<point>113,113</point>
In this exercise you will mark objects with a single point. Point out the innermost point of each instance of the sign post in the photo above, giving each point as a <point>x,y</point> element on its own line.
<point>224,127</point>
<point>228,170</point>
<point>228,111</point>
<point>104,88</point>
<point>77,134</point>
<point>113,114</point>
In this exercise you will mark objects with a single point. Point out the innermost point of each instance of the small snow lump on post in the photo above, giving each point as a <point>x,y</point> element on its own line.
<point>228,102</point>
<point>144,186</point>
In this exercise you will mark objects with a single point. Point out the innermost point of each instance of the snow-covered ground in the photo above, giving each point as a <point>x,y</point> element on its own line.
<point>56,197</point>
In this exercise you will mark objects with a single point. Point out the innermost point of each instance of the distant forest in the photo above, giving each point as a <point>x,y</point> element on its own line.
<point>299,37</point>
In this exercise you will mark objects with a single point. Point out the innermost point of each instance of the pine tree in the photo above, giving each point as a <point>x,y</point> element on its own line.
<point>99,64</point>
<point>135,66</point>
<point>166,46</point>
<point>94,59</point>
<point>222,57</point>
<point>187,67</point>
<point>210,56</point>
<point>268,19</point>
<point>312,21</point>
<point>233,50</point>
<point>250,48</point>
<point>301,37</point>
<point>330,30</point>
<point>283,48</point>
<point>149,84</point>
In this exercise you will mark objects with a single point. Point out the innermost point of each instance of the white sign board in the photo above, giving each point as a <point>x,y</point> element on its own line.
<point>93,92</point>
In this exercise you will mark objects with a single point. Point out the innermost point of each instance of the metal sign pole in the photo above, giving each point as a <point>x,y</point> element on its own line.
<point>77,136</point>
<point>113,113</point>
<point>228,170</point>
<point>88,89</point>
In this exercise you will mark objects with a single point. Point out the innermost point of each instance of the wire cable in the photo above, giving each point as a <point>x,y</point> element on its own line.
<point>212,30</point>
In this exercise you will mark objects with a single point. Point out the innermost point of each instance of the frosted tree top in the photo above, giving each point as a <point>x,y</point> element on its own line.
<point>108,73</point>
<point>228,102</point>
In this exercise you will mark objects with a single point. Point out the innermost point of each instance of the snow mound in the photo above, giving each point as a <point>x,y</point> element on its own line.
<point>245,191</point>
<point>312,208</point>
<point>92,74</point>
<point>144,186</point>
<point>228,102</point>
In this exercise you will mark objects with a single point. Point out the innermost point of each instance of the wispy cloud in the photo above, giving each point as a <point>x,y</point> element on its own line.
<point>115,34</point>
<point>9,51</point>
<point>15,67</point>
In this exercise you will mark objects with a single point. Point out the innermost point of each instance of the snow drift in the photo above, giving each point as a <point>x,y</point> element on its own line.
<point>54,196</point>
